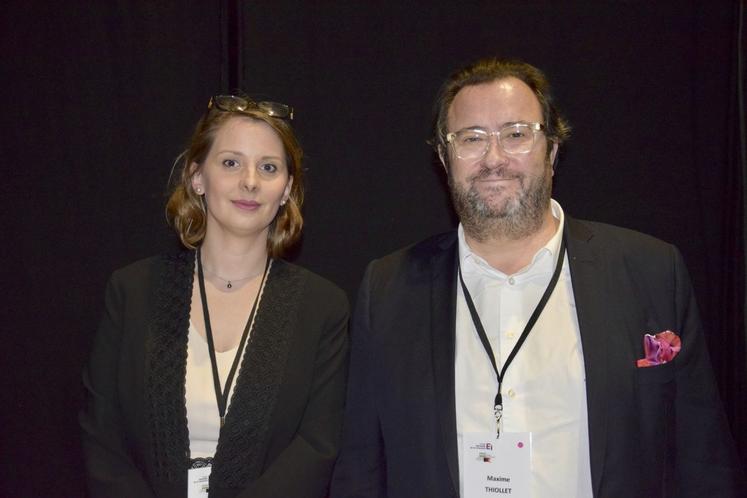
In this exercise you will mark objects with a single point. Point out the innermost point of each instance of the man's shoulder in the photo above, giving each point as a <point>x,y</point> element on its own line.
<point>418,254</point>
<point>614,240</point>
<point>404,277</point>
<point>414,265</point>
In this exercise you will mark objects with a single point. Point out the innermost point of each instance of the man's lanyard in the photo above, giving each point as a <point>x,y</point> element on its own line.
<point>222,396</point>
<point>498,405</point>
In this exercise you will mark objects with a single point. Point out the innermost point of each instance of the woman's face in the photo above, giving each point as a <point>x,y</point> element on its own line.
<point>244,179</point>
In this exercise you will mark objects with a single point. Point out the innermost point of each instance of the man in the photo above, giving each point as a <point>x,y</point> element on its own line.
<point>508,357</point>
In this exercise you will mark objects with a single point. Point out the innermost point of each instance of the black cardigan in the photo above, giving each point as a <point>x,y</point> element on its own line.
<point>282,429</point>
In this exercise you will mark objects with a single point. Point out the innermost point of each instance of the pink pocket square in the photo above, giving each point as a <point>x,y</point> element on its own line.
<point>660,348</point>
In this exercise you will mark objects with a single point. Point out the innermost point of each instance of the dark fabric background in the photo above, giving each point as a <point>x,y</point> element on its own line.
<point>100,97</point>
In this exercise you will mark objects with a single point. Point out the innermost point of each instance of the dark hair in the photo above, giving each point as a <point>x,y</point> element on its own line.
<point>492,69</point>
<point>185,210</point>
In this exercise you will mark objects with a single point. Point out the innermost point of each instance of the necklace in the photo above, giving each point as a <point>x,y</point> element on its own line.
<point>229,281</point>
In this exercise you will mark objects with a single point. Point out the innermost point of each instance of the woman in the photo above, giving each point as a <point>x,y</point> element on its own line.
<point>221,359</point>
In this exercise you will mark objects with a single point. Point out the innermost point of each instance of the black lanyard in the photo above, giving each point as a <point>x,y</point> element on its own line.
<point>498,405</point>
<point>222,396</point>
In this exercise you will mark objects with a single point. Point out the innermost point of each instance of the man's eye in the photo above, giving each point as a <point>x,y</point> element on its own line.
<point>472,138</point>
<point>516,133</point>
<point>230,163</point>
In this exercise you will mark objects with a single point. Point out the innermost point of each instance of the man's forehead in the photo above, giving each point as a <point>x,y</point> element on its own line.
<point>508,98</point>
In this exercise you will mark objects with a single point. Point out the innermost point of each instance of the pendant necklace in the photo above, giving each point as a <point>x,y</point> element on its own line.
<point>229,282</point>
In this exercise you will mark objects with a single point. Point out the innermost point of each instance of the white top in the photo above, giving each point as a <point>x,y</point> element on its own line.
<point>544,388</point>
<point>203,420</point>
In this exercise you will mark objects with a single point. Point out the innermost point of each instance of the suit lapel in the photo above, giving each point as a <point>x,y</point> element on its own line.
<point>443,320</point>
<point>588,279</point>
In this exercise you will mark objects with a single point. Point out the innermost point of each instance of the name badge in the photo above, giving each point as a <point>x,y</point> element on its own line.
<point>495,467</point>
<point>197,482</point>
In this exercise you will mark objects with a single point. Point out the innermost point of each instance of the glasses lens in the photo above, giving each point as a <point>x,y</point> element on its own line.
<point>470,144</point>
<point>517,138</point>
<point>276,109</point>
<point>231,103</point>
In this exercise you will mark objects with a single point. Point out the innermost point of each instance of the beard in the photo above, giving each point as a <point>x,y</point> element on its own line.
<point>495,212</point>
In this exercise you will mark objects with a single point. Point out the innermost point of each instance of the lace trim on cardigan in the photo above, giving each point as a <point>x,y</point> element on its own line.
<point>167,367</point>
<point>239,458</point>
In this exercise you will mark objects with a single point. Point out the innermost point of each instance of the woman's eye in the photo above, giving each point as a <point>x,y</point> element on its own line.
<point>268,168</point>
<point>230,163</point>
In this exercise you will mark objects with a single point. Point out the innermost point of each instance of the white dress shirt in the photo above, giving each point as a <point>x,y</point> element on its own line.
<point>544,388</point>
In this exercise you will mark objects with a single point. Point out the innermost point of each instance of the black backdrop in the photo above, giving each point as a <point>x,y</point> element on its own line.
<point>99,97</point>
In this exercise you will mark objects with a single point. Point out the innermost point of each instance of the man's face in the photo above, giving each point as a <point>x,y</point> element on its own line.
<point>510,192</point>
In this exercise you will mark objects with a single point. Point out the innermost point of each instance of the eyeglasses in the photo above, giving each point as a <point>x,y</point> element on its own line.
<point>235,103</point>
<point>514,138</point>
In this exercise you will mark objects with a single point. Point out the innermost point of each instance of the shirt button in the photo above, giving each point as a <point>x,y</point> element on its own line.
<point>510,335</point>
<point>511,393</point>
<point>511,281</point>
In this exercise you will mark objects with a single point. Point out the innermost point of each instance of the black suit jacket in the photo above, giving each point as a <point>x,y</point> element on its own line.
<point>653,432</point>
<point>283,425</point>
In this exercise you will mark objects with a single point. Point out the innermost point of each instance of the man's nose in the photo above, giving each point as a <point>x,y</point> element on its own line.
<point>495,155</point>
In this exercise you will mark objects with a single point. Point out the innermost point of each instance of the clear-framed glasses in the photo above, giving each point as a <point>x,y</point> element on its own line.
<point>235,103</point>
<point>513,138</point>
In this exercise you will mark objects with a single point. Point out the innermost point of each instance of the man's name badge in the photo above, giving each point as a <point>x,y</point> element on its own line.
<point>497,466</point>
<point>197,482</point>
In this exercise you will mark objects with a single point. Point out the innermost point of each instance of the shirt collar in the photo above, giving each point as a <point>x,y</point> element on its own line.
<point>471,262</point>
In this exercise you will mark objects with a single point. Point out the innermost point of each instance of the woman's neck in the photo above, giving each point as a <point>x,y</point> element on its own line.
<point>232,258</point>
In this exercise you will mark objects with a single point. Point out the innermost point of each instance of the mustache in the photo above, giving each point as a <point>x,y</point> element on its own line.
<point>501,173</point>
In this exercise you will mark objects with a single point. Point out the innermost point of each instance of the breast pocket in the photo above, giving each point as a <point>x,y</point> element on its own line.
<point>656,393</point>
<point>657,390</point>
<point>659,374</point>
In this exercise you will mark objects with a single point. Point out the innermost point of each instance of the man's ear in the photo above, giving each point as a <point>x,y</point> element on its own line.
<point>442,156</point>
<point>554,157</point>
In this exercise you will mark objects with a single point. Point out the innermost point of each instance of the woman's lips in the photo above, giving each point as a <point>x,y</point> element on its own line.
<point>246,205</point>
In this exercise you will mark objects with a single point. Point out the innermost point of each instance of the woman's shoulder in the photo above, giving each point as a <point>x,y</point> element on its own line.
<point>315,287</point>
<point>148,269</point>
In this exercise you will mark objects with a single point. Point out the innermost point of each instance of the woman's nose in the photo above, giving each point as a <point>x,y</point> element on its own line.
<point>249,179</point>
